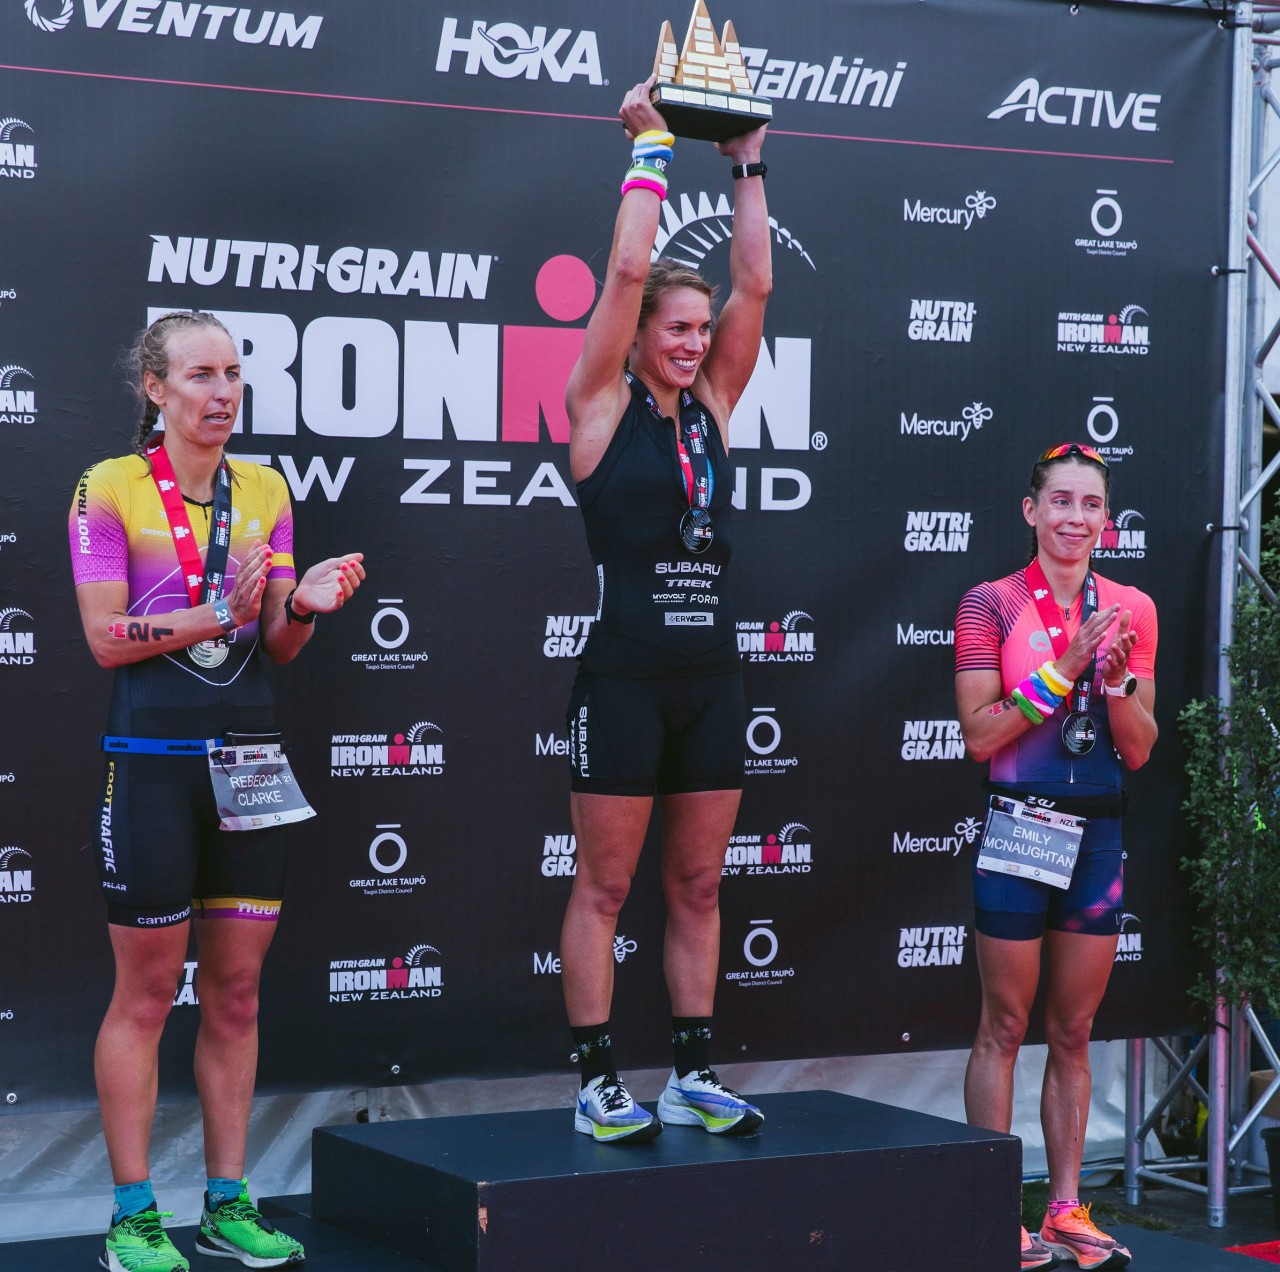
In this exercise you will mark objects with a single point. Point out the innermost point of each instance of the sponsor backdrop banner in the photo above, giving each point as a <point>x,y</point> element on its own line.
<point>994,229</point>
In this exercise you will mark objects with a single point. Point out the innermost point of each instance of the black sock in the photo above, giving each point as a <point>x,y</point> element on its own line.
<point>691,1043</point>
<point>595,1051</point>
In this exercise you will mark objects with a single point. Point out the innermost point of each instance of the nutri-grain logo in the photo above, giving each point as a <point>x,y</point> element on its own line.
<point>17,154</point>
<point>931,946</point>
<point>559,856</point>
<point>788,639</point>
<point>932,740</point>
<point>566,635</point>
<point>930,531</point>
<point>942,320</point>
<point>1125,331</point>
<point>419,752</point>
<point>388,978</point>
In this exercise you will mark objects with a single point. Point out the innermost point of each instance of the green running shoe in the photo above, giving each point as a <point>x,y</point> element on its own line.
<point>235,1230</point>
<point>139,1243</point>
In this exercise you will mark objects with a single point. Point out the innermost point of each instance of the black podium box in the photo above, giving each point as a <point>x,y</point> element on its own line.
<point>831,1182</point>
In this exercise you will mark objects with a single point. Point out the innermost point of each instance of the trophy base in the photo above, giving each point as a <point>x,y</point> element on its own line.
<point>707,115</point>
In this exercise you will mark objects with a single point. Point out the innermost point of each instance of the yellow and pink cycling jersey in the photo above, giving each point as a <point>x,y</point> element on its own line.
<point>999,629</point>
<point>119,533</point>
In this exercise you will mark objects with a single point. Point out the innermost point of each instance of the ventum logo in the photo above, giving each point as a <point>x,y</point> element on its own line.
<point>140,17</point>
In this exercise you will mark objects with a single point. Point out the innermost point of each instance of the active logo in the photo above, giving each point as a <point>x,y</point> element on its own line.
<point>508,51</point>
<point>975,208</point>
<point>389,630</point>
<point>834,82</point>
<point>931,946</point>
<point>938,531</point>
<point>788,639</point>
<point>1129,948</point>
<point>1117,333</point>
<point>942,320</point>
<point>972,418</point>
<point>760,950</point>
<point>139,17</point>
<point>789,851</point>
<point>764,740</point>
<point>1106,216</point>
<point>17,885</point>
<point>17,637</point>
<point>566,634</point>
<point>913,635</point>
<point>963,833</point>
<point>1079,107</point>
<point>417,974</point>
<point>559,856</point>
<point>388,854</point>
<point>388,755</point>
<point>17,158</point>
<point>932,740</point>
<point>17,405</point>
<point>1124,538</point>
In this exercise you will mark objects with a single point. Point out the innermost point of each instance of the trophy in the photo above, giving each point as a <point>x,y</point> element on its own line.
<point>703,92</point>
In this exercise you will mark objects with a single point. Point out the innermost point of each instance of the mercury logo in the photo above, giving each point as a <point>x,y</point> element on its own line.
<point>508,51</point>
<point>972,418</point>
<point>964,832</point>
<point>178,18</point>
<point>931,946</point>
<point>913,635</point>
<point>17,406</point>
<point>976,206</point>
<point>1079,107</point>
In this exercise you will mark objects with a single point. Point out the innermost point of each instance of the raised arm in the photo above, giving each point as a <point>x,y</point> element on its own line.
<point>736,345</point>
<point>596,393</point>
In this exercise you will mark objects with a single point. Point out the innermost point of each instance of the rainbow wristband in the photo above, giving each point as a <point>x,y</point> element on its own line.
<point>1036,689</point>
<point>1056,681</point>
<point>643,177</point>
<point>1021,702</point>
<point>653,137</point>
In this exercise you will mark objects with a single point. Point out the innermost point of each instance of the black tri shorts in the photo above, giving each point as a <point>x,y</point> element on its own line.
<point>161,855</point>
<point>664,735</point>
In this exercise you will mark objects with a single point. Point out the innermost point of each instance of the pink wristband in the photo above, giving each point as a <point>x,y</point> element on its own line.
<point>643,183</point>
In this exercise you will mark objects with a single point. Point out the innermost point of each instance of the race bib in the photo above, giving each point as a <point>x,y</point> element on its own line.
<point>1030,842</point>
<point>254,785</point>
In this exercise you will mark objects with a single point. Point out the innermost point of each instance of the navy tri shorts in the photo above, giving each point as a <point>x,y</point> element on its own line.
<point>1013,908</point>
<point>160,852</point>
<point>670,735</point>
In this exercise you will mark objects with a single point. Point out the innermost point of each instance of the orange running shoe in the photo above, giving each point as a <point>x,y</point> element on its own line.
<point>1034,1253</point>
<point>1072,1235</point>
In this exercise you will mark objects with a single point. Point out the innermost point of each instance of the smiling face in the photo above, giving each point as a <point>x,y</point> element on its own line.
<point>201,390</point>
<point>1068,511</point>
<point>672,341</point>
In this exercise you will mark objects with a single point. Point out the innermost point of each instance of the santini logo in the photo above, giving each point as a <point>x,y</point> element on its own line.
<point>1079,106</point>
<point>177,17</point>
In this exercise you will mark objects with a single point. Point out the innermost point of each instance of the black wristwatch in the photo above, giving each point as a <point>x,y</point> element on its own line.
<point>292,616</point>
<point>741,170</point>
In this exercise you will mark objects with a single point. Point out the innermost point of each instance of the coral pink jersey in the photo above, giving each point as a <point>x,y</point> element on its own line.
<point>998,628</point>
